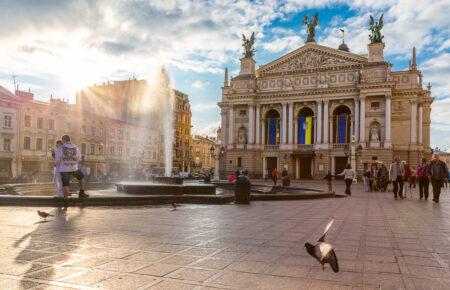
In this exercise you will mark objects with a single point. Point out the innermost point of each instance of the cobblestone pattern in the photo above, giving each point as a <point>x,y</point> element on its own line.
<point>380,242</point>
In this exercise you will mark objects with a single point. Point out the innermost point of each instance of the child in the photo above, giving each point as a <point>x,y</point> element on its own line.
<point>56,174</point>
<point>366,181</point>
<point>329,179</point>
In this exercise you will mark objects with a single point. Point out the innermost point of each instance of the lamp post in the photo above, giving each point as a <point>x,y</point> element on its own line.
<point>216,156</point>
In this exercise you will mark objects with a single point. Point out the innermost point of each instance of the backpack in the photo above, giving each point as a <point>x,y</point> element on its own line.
<point>422,170</point>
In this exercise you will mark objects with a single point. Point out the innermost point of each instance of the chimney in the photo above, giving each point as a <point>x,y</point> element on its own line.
<point>413,64</point>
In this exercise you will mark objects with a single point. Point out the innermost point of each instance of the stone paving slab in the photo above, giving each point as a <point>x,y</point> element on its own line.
<point>381,243</point>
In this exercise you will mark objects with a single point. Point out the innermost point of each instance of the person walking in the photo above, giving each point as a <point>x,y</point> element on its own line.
<point>349,175</point>
<point>422,177</point>
<point>274,176</point>
<point>56,174</point>
<point>406,179</point>
<point>329,179</point>
<point>383,176</point>
<point>396,173</point>
<point>67,158</point>
<point>438,172</point>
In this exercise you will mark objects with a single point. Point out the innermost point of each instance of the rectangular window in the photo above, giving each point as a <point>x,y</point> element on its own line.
<point>120,134</point>
<point>83,148</point>
<point>101,132</point>
<point>239,162</point>
<point>92,152</point>
<point>242,113</point>
<point>27,121</point>
<point>100,150</point>
<point>27,143</point>
<point>8,121</point>
<point>93,131</point>
<point>7,144</point>
<point>127,152</point>
<point>111,150</point>
<point>375,105</point>
<point>83,129</point>
<point>119,151</point>
<point>112,133</point>
<point>40,123</point>
<point>51,124</point>
<point>39,144</point>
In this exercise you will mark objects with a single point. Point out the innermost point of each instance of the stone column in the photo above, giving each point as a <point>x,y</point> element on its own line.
<point>284,124</point>
<point>420,124</point>
<point>356,114</point>
<point>291,124</point>
<point>231,125</point>
<point>263,131</point>
<point>362,120</point>
<point>387,123</point>
<point>315,130</point>
<point>325,122</point>
<point>413,122</point>
<point>296,131</point>
<point>223,138</point>
<point>251,124</point>
<point>319,122</point>
<point>258,125</point>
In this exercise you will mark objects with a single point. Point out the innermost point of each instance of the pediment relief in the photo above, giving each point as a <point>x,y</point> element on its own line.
<point>311,58</point>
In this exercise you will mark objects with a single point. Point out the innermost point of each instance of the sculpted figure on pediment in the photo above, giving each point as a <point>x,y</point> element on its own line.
<point>310,60</point>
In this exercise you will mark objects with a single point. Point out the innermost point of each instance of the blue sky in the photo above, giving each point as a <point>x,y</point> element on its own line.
<point>56,47</point>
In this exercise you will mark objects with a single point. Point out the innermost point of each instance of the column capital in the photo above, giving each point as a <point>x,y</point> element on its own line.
<point>388,96</point>
<point>318,102</point>
<point>413,102</point>
<point>362,97</point>
<point>326,101</point>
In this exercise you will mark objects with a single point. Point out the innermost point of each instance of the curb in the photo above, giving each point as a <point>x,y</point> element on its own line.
<point>114,201</point>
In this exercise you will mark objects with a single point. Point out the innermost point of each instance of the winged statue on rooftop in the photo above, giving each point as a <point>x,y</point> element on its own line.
<point>375,30</point>
<point>248,43</point>
<point>311,27</point>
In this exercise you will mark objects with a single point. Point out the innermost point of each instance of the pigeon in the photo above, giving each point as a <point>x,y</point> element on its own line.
<point>174,206</point>
<point>323,251</point>
<point>43,214</point>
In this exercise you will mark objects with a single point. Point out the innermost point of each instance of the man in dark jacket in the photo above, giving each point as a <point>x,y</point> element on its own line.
<point>438,172</point>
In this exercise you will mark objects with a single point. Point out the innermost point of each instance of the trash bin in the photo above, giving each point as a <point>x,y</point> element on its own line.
<point>242,190</point>
<point>286,181</point>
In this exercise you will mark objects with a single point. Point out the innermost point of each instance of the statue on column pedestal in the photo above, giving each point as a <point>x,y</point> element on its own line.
<point>248,43</point>
<point>311,27</point>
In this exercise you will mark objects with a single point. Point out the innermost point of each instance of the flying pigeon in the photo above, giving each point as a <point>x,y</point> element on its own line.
<point>323,251</point>
<point>43,214</point>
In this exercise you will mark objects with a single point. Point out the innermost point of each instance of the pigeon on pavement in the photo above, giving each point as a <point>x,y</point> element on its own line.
<point>174,206</point>
<point>43,214</point>
<point>323,251</point>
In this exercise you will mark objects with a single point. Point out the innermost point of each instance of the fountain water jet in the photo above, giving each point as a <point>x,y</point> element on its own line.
<point>164,98</point>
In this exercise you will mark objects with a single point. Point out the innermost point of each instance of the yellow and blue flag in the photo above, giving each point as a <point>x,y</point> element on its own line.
<point>305,130</point>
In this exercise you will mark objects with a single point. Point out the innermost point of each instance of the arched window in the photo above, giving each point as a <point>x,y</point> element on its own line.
<point>341,124</point>
<point>272,127</point>
<point>305,128</point>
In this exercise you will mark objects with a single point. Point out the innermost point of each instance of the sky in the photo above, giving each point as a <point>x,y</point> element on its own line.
<point>56,47</point>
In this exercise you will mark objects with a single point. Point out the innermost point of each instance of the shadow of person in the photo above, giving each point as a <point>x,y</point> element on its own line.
<point>37,246</point>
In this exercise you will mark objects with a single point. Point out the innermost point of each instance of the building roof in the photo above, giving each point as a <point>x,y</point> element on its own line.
<point>6,94</point>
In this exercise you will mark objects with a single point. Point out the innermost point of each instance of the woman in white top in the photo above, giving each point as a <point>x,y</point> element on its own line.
<point>349,175</point>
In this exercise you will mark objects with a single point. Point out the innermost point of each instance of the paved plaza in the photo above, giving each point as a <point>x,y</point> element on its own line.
<point>381,243</point>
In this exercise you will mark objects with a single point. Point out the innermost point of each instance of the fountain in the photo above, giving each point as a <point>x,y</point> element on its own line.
<point>158,108</point>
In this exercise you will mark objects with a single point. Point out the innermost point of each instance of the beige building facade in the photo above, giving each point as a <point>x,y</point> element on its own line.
<point>9,134</point>
<point>203,159</point>
<point>317,109</point>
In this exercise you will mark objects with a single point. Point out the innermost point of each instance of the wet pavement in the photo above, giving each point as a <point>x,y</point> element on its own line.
<point>380,243</point>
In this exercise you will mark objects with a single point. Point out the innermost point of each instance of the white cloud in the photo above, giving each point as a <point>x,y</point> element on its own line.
<point>285,43</point>
<point>199,84</point>
<point>210,130</point>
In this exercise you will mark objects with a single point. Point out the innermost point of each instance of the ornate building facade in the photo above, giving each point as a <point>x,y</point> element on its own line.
<point>318,108</point>
<point>202,157</point>
<point>182,137</point>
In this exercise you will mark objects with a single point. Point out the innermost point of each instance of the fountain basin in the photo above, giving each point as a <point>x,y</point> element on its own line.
<point>167,180</point>
<point>147,188</point>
